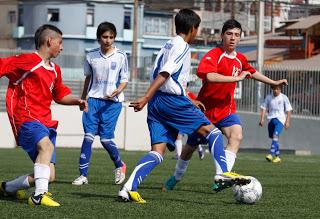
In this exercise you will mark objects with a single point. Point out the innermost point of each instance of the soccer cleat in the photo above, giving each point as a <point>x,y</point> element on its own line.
<point>228,179</point>
<point>201,152</point>
<point>126,196</point>
<point>169,185</point>
<point>19,194</point>
<point>269,157</point>
<point>276,160</point>
<point>45,199</point>
<point>80,181</point>
<point>120,174</point>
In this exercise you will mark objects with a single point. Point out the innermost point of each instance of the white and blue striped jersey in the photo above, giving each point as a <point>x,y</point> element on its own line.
<point>277,107</point>
<point>107,72</point>
<point>174,58</point>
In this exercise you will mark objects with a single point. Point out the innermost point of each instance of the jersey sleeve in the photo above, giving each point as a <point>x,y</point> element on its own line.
<point>124,72</point>
<point>208,64</point>
<point>246,66</point>
<point>287,104</point>
<point>177,54</point>
<point>13,67</point>
<point>59,90</point>
<point>87,67</point>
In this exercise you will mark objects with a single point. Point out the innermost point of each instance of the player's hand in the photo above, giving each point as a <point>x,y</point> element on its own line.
<point>286,125</point>
<point>114,93</point>
<point>83,105</point>
<point>139,104</point>
<point>243,75</point>
<point>199,104</point>
<point>282,82</point>
<point>261,123</point>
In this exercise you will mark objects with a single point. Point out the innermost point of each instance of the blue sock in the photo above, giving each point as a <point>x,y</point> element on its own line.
<point>85,154</point>
<point>274,147</point>
<point>146,164</point>
<point>112,149</point>
<point>216,148</point>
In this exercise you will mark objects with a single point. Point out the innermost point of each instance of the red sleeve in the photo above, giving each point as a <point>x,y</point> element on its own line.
<point>245,65</point>
<point>191,95</point>
<point>13,67</point>
<point>208,64</point>
<point>60,90</point>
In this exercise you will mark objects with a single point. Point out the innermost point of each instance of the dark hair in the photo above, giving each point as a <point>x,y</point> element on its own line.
<point>185,20</point>
<point>276,86</point>
<point>230,24</point>
<point>106,26</point>
<point>42,32</point>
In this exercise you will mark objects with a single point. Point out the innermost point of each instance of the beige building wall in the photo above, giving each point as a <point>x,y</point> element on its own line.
<point>8,22</point>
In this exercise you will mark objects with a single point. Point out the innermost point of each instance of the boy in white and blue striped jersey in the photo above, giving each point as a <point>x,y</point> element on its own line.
<point>106,71</point>
<point>170,111</point>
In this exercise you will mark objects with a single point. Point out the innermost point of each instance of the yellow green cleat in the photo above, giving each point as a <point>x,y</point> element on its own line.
<point>45,199</point>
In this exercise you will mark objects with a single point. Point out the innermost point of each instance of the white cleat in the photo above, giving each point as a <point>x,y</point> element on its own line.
<point>123,195</point>
<point>120,174</point>
<point>80,181</point>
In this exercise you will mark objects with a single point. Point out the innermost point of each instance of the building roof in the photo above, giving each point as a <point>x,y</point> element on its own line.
<point>305,23</point>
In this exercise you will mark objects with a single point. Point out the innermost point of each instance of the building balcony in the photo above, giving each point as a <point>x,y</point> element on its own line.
<point>18,32</point>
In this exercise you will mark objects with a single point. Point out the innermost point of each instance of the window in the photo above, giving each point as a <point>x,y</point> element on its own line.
<point>161,26</point>
<point>217,7</point>
<point>12,17</point>
<point>20,16</point>
<point>90,17</point>
<point>53,15</point>
<point>127,20</point>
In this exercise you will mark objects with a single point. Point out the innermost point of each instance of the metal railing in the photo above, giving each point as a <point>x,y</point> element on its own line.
<point>303,89</point>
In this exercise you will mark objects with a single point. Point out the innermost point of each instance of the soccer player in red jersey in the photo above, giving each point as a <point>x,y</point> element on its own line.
<point>220,69</point>
<point>34,82</point>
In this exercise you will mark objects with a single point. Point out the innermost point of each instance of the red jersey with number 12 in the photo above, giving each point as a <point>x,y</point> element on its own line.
<point>218,98</point>
<point>32,87</point>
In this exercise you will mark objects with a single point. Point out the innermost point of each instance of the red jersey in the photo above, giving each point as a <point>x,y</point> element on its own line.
<point>32,87</point>
<point>218,98</point>
<point>191,95</point>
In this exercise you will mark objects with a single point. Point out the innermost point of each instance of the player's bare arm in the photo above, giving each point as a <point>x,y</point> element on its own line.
<point>287,123</point>
<point>216,77</point>
<point>156,84</point>
<point>70,100</point>
<point>198,104</point>
<point>117,91</point>
<point>260,77</point>
<point>85,87</point>
<point>262,113</point>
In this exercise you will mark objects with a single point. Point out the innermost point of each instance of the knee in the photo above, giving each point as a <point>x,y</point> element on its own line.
<point>52,178</point>
<point>236,138</point>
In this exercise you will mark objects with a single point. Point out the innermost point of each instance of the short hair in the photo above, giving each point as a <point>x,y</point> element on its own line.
<point>106,26</point>
<point>42,32</point>
<point>185,20</point>
<point>230,24</point>
<point>276,86</point>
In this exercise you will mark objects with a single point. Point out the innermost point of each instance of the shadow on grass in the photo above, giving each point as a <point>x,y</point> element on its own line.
<point>159,188</point>
<point>11,199</point>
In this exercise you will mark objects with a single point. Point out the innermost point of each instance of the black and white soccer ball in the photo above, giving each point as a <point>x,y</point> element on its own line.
<point>248,194</point>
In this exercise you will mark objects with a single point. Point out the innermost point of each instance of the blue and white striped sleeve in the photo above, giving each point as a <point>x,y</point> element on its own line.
<point>176,58</point>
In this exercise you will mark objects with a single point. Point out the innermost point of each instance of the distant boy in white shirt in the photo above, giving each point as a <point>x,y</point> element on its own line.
<point>279,110</point>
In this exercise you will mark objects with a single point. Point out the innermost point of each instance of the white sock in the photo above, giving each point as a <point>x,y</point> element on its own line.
<point>41,177</point>
<point>21,182</point>
<point>178,147</point>
<point>181,168</point>
<point>231,158</point>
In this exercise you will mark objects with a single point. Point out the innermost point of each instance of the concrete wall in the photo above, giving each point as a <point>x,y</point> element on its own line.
<point>132,131</point>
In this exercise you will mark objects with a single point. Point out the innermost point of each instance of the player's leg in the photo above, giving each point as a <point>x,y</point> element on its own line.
<point>181,167</point>
<point>201,152</point>
<point>107,125</point>
<point>178,144</point>
<point>143,168</point>
<point>232,129</point>
<point>274,141</point>
<point>277,131</point>
<point>90,122</point>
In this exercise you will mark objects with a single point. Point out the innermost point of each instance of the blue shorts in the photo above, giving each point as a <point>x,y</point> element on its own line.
<point>170,114</point>
<point>196,139</point>
<point>274,127</point>
<point>31,133</point>
<point>102,117</point>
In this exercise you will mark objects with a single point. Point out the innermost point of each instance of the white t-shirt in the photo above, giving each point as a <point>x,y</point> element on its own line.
<point>174,58</point>
<point>107,72</point>
<point>277,107</point>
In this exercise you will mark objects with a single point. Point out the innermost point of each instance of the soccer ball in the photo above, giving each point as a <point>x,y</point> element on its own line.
<point>248,194</point>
